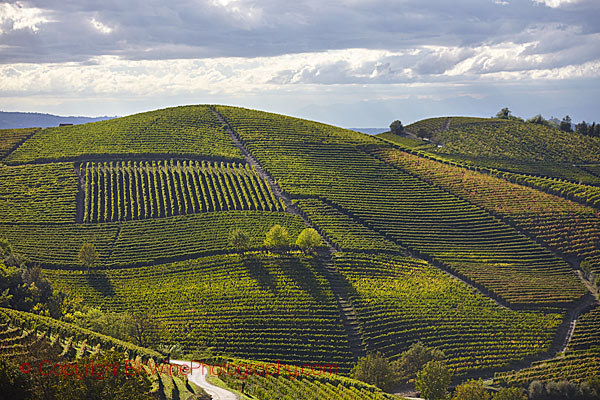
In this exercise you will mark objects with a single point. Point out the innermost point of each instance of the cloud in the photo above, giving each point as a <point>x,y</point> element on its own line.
<point>18,17</point>
<point>63,31</point>
<point>556,3</point>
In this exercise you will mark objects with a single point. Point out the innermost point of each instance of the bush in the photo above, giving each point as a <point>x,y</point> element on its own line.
<point>433,380</point>
<point>471,390</point>
<point>277,238</point>
<point>376,370</point>
<point>308,240</point>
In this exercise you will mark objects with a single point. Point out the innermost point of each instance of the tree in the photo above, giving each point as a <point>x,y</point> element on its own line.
<point>308,240</point>
<point>505,113</point>
<point>396,127</point>
<point>414,359</point>
<point>538,119</point>
<point>537,390</point>
<point>471,390</point>
<point>147,330</point>
<point>88,256</point>
<point>565,124</point>
<point>509,394</point>
<point>277,238</point>
<point>582,128</point>
<point>376,370</point>
<point>433,380</point>
<point>239,240</point>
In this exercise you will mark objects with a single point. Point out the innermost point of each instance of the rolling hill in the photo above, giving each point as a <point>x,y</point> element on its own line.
<point>470,248</point>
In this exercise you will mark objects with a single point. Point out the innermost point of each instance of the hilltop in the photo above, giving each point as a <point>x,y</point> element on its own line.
<point>418,243</point>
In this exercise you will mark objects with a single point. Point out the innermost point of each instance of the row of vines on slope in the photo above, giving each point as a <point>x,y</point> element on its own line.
<point>129,190</point>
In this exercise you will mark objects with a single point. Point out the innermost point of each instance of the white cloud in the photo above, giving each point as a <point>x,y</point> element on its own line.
<point>17,16</point>
<point>102,28</point>
<point>556,3</point>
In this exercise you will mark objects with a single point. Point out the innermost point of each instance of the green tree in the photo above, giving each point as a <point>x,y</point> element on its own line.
<point>538,119</point>
<point>239,240</point>
<point>376,370</point>
<point>88,256</point>
<point>509,394</point>
<point>433,380</point>
<point>147,330</point>
<point>308,240</point>
<point>565,124</point>
<point>414,359</point>
<point>505,113</point>
<point>471,390</point>
<point>396,127</point>
<point>277,238</point>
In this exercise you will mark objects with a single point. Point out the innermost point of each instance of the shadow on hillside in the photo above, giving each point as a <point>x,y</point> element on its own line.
<point>100,282</point>
<point>305,275</point>
<point>257,271</point>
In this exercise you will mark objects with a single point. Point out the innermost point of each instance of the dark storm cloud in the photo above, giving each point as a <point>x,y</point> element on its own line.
<point>152,29</point>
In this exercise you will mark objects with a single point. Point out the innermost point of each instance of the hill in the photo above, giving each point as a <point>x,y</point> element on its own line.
<point>419,243</point>
<point>512,145</point>
<point>16,120</point>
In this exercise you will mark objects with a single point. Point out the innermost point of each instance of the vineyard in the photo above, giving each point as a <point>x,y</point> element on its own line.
<point>38,193</point>
<point>179,131</point>
<point>257,306</point>
<point>580,362</point>
<point>144,241</point>
<point>307,385</point>
<point>22,334</point>
<point>469,243</point>
<point>514,146</point>
<point>9,138</point>
<point>561,225</point>
<point>400,301</point>
<point>126,190</point>
<point>429,221</point>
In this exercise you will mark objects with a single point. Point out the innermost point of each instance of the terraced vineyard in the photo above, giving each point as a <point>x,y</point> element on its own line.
<point>258,306</point>
<point>144,241</point>
<point>308,385</point>
<point>38,193</point>
<point>515,146</point>
<point>400,301</point>
<point>179,131</point>
<point>429,221</point>
<point>21,332</point>
<point>579,363</point>
<point>10,138</point>
<point>562,225</point>
<point>119,191</point>
<point>178,203</point>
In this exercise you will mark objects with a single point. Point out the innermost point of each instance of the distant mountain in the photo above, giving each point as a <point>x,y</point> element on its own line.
<point>370,131</point>
<point>12,120</point>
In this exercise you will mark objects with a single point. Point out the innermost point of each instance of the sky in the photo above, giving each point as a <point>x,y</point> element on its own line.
<point>353,63</point>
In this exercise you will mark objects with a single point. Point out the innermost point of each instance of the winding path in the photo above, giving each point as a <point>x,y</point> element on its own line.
<point>198,376</point>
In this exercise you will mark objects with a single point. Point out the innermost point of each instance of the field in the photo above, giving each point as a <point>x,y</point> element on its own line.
<point>473,248</point>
